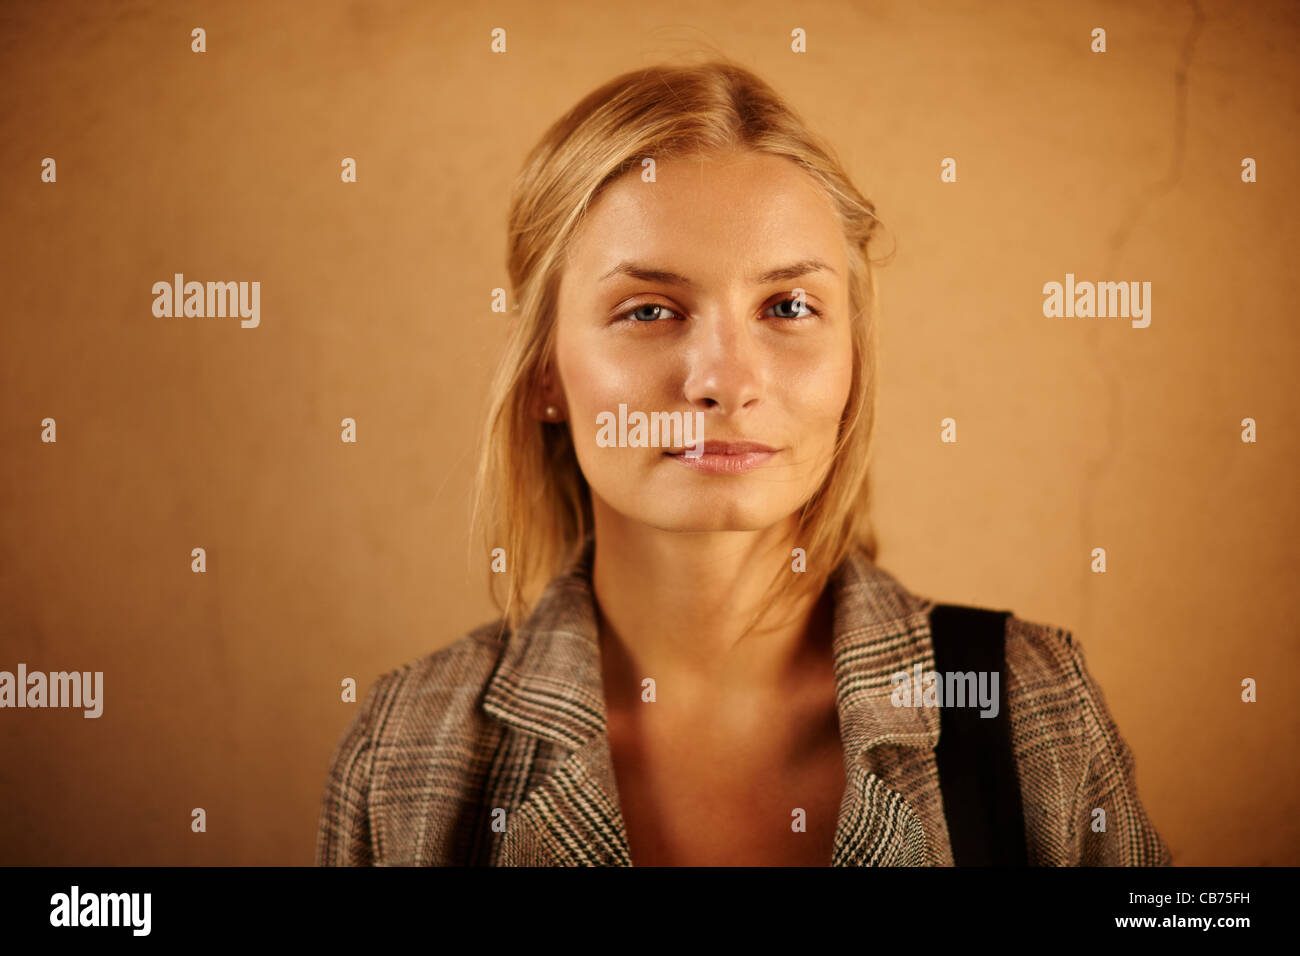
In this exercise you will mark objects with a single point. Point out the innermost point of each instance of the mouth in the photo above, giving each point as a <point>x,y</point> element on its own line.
<point>725,457</point>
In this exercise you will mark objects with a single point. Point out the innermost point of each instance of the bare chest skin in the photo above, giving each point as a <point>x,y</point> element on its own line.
<point>719,783</point>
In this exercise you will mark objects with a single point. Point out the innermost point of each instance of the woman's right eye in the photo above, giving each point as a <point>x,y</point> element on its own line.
<point>647,312</point>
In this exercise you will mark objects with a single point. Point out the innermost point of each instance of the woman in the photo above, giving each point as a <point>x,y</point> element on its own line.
<point>676,457</point>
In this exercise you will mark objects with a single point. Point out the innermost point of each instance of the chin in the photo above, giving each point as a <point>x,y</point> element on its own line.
<point>705,524</point>
<point>712,512</point>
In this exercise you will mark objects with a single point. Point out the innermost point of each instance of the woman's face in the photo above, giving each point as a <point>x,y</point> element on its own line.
<point>679,296</point>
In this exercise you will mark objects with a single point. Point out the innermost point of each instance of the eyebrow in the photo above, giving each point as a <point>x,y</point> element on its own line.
<point>793,271</point>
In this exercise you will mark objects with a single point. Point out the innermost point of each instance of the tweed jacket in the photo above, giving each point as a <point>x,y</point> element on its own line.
<point>493,750</point>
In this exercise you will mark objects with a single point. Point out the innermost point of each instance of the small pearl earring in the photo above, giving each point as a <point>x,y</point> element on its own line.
<point>551,411</point>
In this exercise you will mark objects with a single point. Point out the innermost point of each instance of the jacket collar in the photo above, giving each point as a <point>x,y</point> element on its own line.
<point>548,681</point>
<point>548,684</point>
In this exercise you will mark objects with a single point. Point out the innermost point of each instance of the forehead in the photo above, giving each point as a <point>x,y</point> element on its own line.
<point>719,211</point>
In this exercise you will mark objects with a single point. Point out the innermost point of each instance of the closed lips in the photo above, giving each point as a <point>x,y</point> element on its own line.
<point>731,448</point>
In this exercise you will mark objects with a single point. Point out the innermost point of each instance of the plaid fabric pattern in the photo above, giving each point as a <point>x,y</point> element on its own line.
<point>493,751</point>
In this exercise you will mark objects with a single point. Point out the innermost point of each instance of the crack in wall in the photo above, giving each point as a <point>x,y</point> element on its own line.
<point>1095,467</point>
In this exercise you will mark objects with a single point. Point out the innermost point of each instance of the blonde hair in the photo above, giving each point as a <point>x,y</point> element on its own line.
<point>531,493</point>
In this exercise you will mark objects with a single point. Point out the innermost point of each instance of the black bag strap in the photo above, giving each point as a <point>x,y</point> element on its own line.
<point>977,766</point>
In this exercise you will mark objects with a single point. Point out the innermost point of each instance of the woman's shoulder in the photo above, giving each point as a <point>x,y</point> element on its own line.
<point>451,677</point>
<point>1037,653</point>
<point>1040,653</point>
<point>1049,679</point>
<point>425,713</point>
<point>1070,752</point>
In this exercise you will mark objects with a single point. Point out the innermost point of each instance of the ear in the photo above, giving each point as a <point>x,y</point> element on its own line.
<point>548,400</point>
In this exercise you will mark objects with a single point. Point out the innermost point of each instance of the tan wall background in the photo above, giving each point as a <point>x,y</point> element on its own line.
<point>328,560</point>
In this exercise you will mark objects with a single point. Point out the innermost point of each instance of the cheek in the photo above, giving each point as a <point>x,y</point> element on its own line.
<point>601,369</point>
<point>840,382</point>
<point>818,388</point>
<point>594,381</point>
<point>599,372</point>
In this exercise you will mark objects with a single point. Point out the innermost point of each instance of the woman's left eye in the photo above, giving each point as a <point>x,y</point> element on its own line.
<point>807,313</point>
<point>632,313</point>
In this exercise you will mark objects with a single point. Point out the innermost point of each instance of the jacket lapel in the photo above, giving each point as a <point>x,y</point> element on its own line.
<point>548,685</point>
<point>572,818</point>
<point>880,630</point>
<point>876,826</point>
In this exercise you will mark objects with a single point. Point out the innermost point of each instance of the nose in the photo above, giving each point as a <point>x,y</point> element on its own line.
<point>725,364</point>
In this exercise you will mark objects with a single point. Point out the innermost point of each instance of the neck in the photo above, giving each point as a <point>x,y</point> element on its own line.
<point>679,607</point>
